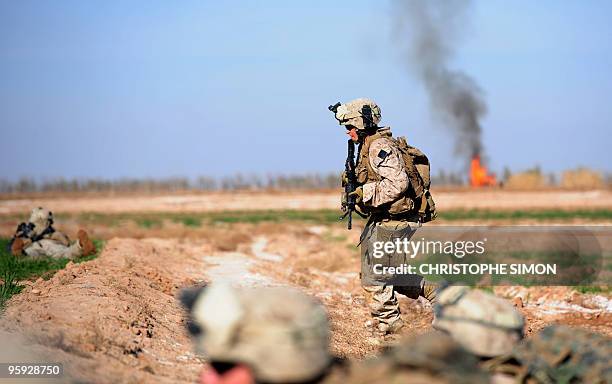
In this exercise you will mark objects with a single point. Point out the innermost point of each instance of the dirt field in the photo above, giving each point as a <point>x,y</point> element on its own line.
<point>116,319</point>
<point>210,202</point>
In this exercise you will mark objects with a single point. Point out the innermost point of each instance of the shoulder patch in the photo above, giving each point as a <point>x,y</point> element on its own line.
<point>382,154</point>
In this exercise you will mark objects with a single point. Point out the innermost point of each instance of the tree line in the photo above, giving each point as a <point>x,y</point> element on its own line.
<point>578,178</point>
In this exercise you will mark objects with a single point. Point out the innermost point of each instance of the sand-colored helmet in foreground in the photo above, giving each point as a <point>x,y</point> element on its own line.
<point>280,333</point>
<point>484,324</point>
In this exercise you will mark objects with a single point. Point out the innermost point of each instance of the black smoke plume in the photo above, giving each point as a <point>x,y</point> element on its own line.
<point>432,30</point>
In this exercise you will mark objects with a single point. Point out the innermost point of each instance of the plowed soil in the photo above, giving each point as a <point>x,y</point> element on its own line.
<point>116,318</point>
<point>240,201</point>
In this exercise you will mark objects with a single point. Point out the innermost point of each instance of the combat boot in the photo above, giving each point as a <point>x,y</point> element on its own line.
<point>85,242</point>
<point>17,247</point>
<point>392,328</point>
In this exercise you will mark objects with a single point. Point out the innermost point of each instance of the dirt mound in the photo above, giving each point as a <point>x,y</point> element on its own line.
<point>115,319</point>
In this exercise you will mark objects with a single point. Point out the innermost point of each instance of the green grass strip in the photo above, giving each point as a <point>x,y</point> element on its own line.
<point>14,269</point>
<point>323,216</point>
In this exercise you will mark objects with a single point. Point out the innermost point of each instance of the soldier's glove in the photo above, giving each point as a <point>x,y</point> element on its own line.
<point>17,246</point>
<point>344,178</point>
<point>358,195</point>
<point>343,201</point>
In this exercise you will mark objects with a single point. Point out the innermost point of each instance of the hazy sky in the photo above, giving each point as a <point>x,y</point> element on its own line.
<point>167,88</point>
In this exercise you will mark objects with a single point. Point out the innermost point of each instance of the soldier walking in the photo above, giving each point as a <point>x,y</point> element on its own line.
<point>392,189</point>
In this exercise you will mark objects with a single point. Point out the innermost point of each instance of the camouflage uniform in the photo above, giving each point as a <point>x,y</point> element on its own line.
<point>557,354</point>
<point>431,358</point>
<point>492,329</point>
<point>45,241</point>
<point>382,298</point>
<point>381,172</point>
<point>54,249</point>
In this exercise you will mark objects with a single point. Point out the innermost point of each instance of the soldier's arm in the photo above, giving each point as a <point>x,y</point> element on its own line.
<point>60,238</point>
<point>386,160</point>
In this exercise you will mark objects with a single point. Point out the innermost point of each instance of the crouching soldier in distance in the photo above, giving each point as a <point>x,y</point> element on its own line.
<point>392,188</point>
<point>38,238</point>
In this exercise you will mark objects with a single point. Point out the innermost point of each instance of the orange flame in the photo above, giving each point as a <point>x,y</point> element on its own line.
<point>479,176</point>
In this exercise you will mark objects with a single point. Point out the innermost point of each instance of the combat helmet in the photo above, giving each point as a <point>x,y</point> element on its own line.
<point>482,323</point>
<point>280,333</point>
<point>360,113</point>
<point>42,219</point>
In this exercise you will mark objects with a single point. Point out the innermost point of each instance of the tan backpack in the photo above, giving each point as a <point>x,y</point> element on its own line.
<point>417,166</point>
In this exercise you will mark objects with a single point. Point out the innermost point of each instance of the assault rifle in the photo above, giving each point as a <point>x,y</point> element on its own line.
<point>348,205</point>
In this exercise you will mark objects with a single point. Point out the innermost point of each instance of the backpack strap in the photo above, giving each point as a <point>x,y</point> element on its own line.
<point>363,157</point>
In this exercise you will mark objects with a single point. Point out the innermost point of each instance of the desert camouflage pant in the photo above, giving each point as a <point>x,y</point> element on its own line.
<point>52,248</point>
<point>382,298</point>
